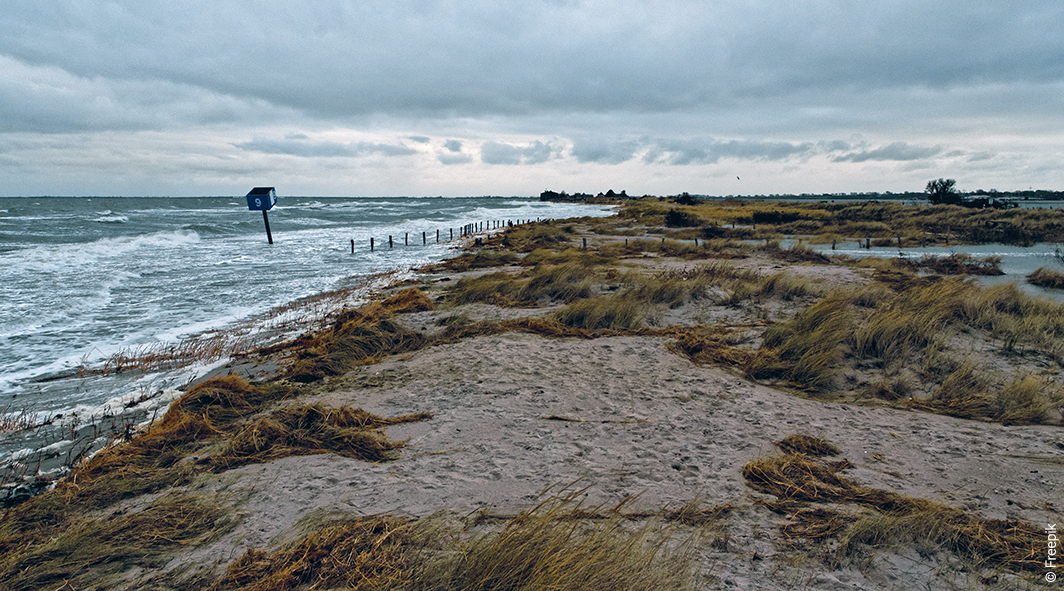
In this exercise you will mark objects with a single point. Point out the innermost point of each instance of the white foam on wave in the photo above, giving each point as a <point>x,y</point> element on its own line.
<point>53,258</point>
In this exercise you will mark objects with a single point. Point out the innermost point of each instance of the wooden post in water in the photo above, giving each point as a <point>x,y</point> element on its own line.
<point>424,240</point>
<point>352,246</point>
<point>389,240</point>
<point>406,239</point>
<point>371,243</point>
<point>437,235</point>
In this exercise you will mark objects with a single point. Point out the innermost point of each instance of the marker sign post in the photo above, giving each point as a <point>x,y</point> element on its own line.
<point>263,199</point>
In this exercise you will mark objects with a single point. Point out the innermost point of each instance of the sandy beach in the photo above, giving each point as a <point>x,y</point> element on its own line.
<point>629,420</point>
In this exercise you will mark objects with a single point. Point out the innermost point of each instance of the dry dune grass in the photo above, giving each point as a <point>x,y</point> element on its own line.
<point>358,337</point>
<point>226,409</point>
<point>362,553</point>
<point>94,553</point>
<point>556,545</point>
<point>1045,277</point>
<point>311,429</point>
<point>800,443</point>
<point>912,326</point>
<point>893,518</point>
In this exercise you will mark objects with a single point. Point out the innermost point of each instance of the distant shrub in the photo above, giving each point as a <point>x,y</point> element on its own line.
<point>675,218</point>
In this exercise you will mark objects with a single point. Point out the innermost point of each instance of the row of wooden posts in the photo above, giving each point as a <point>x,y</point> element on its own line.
<point>466,230</point>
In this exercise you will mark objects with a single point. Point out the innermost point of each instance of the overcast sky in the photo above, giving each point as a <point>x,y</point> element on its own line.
<point>476,97</point>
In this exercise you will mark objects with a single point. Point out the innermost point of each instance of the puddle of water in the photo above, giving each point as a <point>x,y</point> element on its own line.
<point>1016,261</point>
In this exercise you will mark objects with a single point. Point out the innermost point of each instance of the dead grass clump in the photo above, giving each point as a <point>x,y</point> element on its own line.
<point>964,393</point>
<point>897,518</point>
<point>785,286</point>
<point>586,258</point>
<point>311,429</point>
<point>565,283</point>
<point>961,264</point>
<point>478,260</point>
<point>673,288</point>
<point>799,443</point>
<point>710,345</point>
<point>222,399</point>
<point>806,350</point>
<point>987,543</point>
<point>556,545</point>
<point>800,478</point>
<point>408,300</point>
<point>354,340</point>
<point>815,524</point>
<point>529,237</point>
<point>1025,400</point>
<point>148,462</point>
<point>497,289</point>
<point>1045,277</point>
<point>798,253</point>
<point>364,553</point>
<point>545,548</point>
<point>97,552</point>
<point>610,312</point>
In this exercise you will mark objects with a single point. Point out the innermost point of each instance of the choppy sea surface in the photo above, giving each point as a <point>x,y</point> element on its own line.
<point>84,278</point>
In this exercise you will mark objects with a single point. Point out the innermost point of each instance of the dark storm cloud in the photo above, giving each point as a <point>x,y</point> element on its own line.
<point>604,151</point>
<point>298,146</point>
<point>333,59</point>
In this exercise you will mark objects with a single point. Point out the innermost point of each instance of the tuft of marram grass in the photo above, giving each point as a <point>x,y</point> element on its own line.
<point>1046,277</point>
<point>556,545</point>
<point>895,518</point>
<point>800,443</point>
<point>547,548</point>
<point>94,554</point>
<point>610,312</point>
<point>311,429</point>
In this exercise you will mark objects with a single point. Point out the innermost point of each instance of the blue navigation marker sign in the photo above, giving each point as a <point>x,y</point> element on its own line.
<point>262,199</point>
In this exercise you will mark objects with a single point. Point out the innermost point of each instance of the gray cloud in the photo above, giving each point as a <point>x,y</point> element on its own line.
<point>451,159</point>
<point>701,151</point>
<point>338,59</point>
<point>605,151</point>
<point>308,149</point>
<point>897,151</point>
<point>647,84</point>
<point>499,153</point>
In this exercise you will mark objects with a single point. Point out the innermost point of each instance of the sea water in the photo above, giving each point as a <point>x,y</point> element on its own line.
<point>82,279</point>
